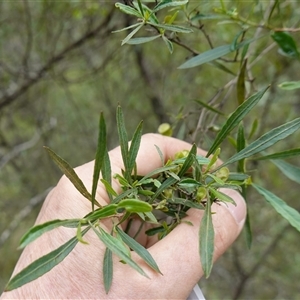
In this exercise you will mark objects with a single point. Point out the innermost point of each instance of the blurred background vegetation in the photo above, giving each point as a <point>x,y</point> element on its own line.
<point>60,65</point>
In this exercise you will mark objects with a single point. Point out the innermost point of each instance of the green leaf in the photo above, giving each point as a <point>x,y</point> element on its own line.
<point>112,244</point>
<point>253,128</point>
<point>235,45</point>
<point>188,161</point>
<point>103,212</point>
<point>280,155</point>
<point>167,183</point>
<point>236,118</point>
<point>266,141</point>
<point>128,10</point>
<point>135,206</point>
<point>240,145</point>
<point>206,240</point>
<point>109,188</point>
<point>123,138</point>
<point>106,174</point>
<point>237,176</point>
<point>107,269</point>
<point>168,43</point>
<point>289,85</point>
<point>140,6</point>
<point>134,147</point>
<point>43,265</point>
<point>210,108</point>
<point>211,55</point>
<point>240,86</point>
<point>290,171</point>
<point>186,202</point>
<point>289,213</point>
<point>100,154</point>
<point>71,174</point>
<point>132,33</point>
<point>173,28</point>
<point>157,171</point>
<point>38,230</point>
<point>126,28</point>
<point>286,43</point>
<point>139,249</point>
<point>142,40</point>
<point>221,196</point>
<point>168,3</point>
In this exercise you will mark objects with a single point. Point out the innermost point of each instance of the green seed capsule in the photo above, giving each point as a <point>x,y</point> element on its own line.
<point>182,154</point>
<point>223,173</point>
<point>201,193</point>
<point>165,129</point>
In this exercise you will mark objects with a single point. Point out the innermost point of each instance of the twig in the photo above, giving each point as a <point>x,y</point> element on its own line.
<point>246,276</point>
<point>155,100</point>
<point>8,99</point>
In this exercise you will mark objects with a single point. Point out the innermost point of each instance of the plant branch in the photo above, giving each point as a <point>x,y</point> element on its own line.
<point>246,276</point>
<point>8,99</point>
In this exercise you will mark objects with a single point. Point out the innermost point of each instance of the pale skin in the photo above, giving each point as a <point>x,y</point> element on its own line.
<point>79,276</point>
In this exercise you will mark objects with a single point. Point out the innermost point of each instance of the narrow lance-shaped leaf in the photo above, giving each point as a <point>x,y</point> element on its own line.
<point>286,43</point>
<point>70,173</point>
<point>280,155</point>
<point>168,182</point>
<point>111,243</point>
<point>206,240</point>
<point>168,3</point>
<point>221,196</point>
<point>289,213</point>
<point>236,118</point>
<point>43,265</point>
<point>212,54</point>
<point>132,33</point>
<point>142,40</point>
<point>240,145</point>
<point>168,43</point>
<point>123,138</point>
<point>289,85</point>
<point>266,141</point>
<point>38,230</point>
<point>107,269</point>
<point>240,86</point>
<point>106,174</point>
<point>188,161</point>
<point>135,206</point>
<point>134,147</point>
<point>128,10</point>
<point>139,249</point>
<point>103,212</point>
<point>100,154</point>
<point>174,28</point>
<point>205,105</point>
<point>126,28</point>
<point>290,171</point>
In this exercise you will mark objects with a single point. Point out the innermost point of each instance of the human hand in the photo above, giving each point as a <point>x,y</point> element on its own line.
<point>79,275</point>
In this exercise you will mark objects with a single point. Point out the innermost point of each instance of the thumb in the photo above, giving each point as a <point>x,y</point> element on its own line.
<point>177,254</point>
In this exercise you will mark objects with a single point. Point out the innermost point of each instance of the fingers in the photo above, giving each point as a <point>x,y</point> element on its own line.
<point>177,255</point>
<point>148,157</point>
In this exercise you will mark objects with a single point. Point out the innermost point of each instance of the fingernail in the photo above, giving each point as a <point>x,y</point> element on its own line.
<point>238,211</point>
